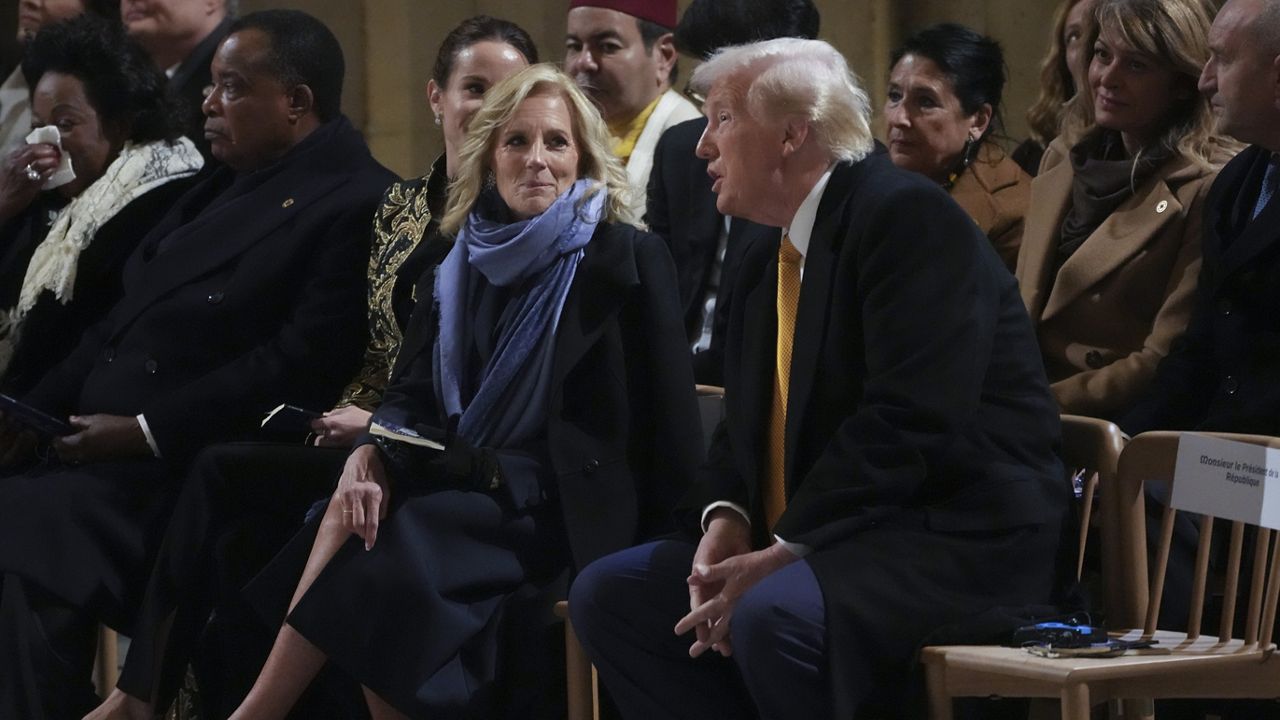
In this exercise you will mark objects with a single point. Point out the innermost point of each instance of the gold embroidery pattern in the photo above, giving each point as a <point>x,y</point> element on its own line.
<point>399,224</point>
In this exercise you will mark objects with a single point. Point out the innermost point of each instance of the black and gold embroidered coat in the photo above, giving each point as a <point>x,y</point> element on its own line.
<point>406,241</point>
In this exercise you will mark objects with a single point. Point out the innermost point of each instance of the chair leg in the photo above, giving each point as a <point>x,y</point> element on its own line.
<point>107,668</point>
<point>940,703</point>
<point>583,703</point>
<point>1075,702</point>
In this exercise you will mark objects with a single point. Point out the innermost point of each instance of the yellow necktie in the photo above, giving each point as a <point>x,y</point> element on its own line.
<point>775,484</point>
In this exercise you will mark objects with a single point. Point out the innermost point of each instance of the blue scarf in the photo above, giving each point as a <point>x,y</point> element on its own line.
<point>541,255</point>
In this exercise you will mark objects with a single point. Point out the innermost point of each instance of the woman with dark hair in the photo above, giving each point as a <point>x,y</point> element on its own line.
<point>1063,72</point>
<point>76,200</point>
<point>942,106</point>
<point>253,496</point>
<point>1111,251</point>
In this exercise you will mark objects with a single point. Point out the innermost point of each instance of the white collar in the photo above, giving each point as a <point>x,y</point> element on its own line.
<point>801,227</point>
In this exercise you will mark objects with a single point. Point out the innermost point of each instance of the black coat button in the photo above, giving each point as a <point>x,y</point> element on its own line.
<point>215,298</point>
<point>1230,385</point>
<point>1224,306</point>
<point>1094,359</point>
<point>151,366</point>
<point>590,467</point>
<point>109,354</point>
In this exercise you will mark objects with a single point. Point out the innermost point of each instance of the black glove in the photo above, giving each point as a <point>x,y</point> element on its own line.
<point>474,468</point>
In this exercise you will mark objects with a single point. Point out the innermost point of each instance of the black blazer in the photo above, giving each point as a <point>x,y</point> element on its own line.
<point>52,329</point>
<point>256,300</point>
<point>1221,375</point>
<point>682,210</point>
<point>915,379</point>
<point>623,433</point>
<point>917,393</point>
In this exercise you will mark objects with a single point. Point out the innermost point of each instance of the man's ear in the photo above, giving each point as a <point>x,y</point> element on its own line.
<point>301,103</point>
<point>795,133</point>
<point>665,57</point>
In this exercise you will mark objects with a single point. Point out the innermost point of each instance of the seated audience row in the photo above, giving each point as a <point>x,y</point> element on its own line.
<point>896,329</point>
<point>252,497</point>
<point>248,291</point>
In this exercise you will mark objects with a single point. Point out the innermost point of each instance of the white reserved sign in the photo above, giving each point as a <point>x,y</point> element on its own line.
<point>1228,479</point>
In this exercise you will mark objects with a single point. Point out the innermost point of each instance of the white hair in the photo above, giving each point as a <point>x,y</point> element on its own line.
<point>794,76</point>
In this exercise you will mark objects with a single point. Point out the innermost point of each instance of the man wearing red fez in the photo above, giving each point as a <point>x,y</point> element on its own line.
<point>621,52</point>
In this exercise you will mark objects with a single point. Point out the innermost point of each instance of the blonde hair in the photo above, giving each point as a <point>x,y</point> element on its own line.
<point>595,157</point>
<point>1175,33</point>
<point>809,78</point>
<point>1056,84</point>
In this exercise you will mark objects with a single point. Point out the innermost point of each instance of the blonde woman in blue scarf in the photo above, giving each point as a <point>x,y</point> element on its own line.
<point>547,356</point>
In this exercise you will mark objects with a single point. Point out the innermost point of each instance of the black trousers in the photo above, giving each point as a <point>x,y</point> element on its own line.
<point>241,503</point>
<point>46,654</point>
<point>75,546</point>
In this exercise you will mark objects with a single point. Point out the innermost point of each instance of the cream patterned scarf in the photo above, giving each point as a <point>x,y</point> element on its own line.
<point>135,172</point>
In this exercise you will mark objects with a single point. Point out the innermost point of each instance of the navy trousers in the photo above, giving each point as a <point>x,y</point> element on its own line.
<point>625,606</point>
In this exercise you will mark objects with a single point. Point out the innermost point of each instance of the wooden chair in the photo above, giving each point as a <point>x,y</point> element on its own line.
<point>583,685</point>
<point>1185,664</point>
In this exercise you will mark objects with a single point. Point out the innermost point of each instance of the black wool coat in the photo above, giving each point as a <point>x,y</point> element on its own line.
<point>1221,376</point>
<point>623,433</point>
<point>249,293</point>
<point>919,421</point>
<point>682,210</point>
<point>52,329</point>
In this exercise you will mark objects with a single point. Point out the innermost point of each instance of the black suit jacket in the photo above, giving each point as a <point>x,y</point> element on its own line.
<point>623,434</point>
<point>917,397</point>
<point>52,329</point>
<point>227,311</point>
<point>1221,375</point>
<point>682,210</point>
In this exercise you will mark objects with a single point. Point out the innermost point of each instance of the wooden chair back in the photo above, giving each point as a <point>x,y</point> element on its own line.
<point>1149,460</point>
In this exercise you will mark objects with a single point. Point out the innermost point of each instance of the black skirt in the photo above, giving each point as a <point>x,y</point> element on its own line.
<point>419,619</point>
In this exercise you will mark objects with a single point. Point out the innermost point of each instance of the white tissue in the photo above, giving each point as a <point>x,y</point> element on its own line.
<point>65,173</point>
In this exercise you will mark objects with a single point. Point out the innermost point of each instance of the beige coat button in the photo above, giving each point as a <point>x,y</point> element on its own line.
<point>1160,206</point>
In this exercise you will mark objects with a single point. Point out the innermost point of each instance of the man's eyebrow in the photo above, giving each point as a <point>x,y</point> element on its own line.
<point>598,37</point>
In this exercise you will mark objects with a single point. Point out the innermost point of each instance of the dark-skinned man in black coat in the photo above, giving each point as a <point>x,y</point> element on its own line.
<point>249,293</point>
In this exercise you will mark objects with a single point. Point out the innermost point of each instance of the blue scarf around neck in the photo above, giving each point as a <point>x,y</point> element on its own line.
<point>539,256</point>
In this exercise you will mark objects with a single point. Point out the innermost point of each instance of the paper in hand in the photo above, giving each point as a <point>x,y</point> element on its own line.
<point>65,173</point>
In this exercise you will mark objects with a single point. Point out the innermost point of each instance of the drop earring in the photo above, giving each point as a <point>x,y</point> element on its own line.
<point>437,119</point>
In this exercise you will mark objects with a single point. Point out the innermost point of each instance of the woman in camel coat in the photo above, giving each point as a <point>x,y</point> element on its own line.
<point>1111,247</point>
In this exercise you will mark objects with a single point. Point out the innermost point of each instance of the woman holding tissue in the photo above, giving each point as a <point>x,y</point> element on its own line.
<point>99,169</point>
